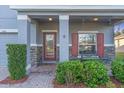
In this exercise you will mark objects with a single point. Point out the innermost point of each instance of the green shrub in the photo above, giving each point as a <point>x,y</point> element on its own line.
<point>16,60</point>
<point>69,72</point>
<point>118,70</point>
<point>90,72</point>
<point>95,73</point>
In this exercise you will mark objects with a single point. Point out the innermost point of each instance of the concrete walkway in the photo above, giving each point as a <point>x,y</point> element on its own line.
<point>40,77</point>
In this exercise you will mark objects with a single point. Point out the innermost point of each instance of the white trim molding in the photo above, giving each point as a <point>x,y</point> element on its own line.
<point>49,30</point>
<point>36,45</point>
<point>28,67</point>
<point>109,44</point>
<point>63,17</point>
<point>70,45</point>
<point>88,31</point>
<point>69,7</point>
<point>59,45</point>
<point>8,31</point>
<point>23,17</point>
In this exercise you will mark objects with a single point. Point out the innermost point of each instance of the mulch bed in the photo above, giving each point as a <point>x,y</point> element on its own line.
<point>81,85</point>
<point>57,85</point>
<point>8,80</point>
<point>116,82</point>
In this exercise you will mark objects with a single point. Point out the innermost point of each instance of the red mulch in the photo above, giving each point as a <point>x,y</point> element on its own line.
<point>8,80</point>
<point>57,85</point>
<point>81,85</point>
<point>116,82</point>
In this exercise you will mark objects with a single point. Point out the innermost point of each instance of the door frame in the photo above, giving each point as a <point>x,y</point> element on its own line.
<point>55,36</point>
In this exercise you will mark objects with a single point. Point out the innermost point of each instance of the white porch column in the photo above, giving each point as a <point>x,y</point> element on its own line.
<point>24,35</point>
<point>64,37</point>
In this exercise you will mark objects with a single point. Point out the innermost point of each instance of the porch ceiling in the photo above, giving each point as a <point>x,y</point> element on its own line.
<point>104,19</point>
<point>45,18</point>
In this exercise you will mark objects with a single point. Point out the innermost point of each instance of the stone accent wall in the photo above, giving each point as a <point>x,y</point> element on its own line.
<point>36,55</point>
<point>57,53</point>
<point>109,52</point>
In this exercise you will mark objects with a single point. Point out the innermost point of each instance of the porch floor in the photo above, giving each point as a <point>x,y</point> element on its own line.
<point>44,68</point>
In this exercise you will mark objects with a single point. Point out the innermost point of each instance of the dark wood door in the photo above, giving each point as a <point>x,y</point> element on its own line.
<point>49,46</point>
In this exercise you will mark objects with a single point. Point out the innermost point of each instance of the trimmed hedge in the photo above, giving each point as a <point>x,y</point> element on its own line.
<point>16,60</point>
<point>118,69</point>
<point>69,72</point>
<point>95,73</point>
<point>90,72</point>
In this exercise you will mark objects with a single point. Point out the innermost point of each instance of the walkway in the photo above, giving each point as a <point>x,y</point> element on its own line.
<point>41,77</point>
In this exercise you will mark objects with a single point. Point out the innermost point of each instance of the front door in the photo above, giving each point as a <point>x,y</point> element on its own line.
<point>49,46</point>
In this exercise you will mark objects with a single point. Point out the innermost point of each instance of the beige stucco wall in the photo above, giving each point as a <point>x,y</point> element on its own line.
<point>116,43</point>
<point>119,42</point>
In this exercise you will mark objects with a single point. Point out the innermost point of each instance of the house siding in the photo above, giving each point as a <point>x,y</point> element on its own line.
<point>78,26</point>
<point>6,39</point>
<point>7,18</point>
<point>103,28</point>
<point>7,21</point>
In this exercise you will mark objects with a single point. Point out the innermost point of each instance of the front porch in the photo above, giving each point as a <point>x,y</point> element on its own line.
<point>81,25</point>
<point>57,36</point>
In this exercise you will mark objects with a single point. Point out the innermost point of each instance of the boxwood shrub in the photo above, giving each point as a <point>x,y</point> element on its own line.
<point>69,72</point>
<point>16,60</point>
<point>118,69</point>
<point>95,73</point>
<point>90,72</point>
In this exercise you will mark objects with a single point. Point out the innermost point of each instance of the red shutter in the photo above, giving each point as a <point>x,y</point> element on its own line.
<point>74,49</point>
<point>100,44</point>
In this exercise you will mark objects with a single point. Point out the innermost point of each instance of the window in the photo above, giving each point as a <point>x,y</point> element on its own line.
<point>87,43</point>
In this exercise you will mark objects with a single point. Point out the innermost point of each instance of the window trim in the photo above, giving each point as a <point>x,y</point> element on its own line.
<point>87,32</point>
<point>8,31</point>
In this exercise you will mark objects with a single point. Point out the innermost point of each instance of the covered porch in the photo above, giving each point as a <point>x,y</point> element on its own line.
<point>56,36</point>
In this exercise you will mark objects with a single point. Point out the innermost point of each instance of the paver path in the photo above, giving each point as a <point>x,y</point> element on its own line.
<point>41,77</point>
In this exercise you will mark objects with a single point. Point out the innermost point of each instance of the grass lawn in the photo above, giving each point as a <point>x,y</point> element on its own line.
<point>119,55</point>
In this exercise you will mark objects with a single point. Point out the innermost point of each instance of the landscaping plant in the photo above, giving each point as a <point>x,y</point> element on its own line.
<point>90,72</point>
<point>118,69</point>
<point>16,60</point>
<point>95,73</point>
<point>69,72</point>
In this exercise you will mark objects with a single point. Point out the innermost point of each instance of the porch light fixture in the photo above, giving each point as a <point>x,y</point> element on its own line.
<point>95,19</point>
<point>50,19</point>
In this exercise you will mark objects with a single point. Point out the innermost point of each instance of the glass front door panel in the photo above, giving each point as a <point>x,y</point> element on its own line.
<point>49,46</point>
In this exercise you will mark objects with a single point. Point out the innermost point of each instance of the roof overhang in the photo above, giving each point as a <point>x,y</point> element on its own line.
<point>88,8</point>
